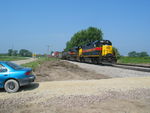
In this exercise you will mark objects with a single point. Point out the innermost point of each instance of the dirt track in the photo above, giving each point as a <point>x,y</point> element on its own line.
<point>19,62</point>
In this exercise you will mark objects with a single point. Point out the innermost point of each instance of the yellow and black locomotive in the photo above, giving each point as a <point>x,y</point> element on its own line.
<point>95,52</point>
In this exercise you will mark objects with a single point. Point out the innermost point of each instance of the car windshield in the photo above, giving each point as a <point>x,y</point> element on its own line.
<point>14,66</point>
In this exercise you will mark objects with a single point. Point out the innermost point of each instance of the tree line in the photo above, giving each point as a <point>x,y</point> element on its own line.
<point>22,53</point>
<point>138,54</point>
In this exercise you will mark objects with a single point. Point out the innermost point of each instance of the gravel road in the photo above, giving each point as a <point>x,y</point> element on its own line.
<point>111,71</point>
<point>19,62</point>
<point>116,95</point>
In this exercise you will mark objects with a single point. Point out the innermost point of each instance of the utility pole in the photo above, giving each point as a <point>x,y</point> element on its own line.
<point>12,49</point>
<point>48,49</point>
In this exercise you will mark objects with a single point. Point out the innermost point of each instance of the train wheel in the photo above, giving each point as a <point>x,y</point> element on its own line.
<point>82,59</point>
<point>93,60</point>
<point>97,61</point>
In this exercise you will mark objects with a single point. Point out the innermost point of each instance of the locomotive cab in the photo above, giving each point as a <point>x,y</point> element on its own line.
<point>107,52</point>
<point>106,47</point>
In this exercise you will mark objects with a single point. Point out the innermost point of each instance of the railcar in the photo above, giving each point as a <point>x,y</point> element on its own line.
<point>72,54</point>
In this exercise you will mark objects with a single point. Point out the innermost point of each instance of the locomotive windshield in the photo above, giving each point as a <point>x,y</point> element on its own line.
<point>106,42</point>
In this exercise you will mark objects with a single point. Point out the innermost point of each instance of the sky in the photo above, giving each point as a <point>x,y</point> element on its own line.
<point>37,24</point>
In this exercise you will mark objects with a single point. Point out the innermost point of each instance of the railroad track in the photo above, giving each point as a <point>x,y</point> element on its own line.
<point>133,67</point>
<point>125,66</point>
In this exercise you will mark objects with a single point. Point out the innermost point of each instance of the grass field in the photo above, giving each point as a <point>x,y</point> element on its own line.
<point>11,58</point>
<point>134,60</point>
<point>36,63</point>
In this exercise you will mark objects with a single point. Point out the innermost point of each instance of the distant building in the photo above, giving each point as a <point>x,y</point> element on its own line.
<point>55,54</point>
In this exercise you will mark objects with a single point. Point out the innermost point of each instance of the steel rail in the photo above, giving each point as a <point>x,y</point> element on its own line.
<point>133,67</point>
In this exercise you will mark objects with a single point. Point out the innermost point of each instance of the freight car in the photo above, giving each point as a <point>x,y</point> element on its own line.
<point>96,52</point>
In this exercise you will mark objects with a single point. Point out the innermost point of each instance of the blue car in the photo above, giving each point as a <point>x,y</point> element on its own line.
<point>13,76</point>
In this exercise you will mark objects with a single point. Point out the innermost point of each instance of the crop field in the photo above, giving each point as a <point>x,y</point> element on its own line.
<point>11,58</point>
<point>134,60</point>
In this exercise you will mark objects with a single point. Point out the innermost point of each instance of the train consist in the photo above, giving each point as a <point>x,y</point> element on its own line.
<point>96,52</point>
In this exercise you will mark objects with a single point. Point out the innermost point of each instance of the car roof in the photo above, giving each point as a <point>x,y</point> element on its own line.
<point>4,61</point>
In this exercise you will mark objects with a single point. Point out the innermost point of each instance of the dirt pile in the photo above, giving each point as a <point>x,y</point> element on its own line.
<point>62,70</point>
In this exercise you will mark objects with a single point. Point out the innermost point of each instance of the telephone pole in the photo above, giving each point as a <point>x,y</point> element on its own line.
<point>48,49</point>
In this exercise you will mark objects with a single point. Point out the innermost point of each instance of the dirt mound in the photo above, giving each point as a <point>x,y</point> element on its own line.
<point>62,70</point>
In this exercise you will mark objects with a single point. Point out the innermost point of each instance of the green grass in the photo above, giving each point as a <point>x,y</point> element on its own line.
<point>38,62</point>
<point>11,58</point>
<point>134,60</point>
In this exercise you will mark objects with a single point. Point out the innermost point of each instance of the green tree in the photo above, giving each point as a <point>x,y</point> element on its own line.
<point>25,53</point>
<point>132,54</point>
<point>84,36</point>
<point>143,54</point>
<point>116,52</point>
<point>15,53</point>
<point>10,52</point>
